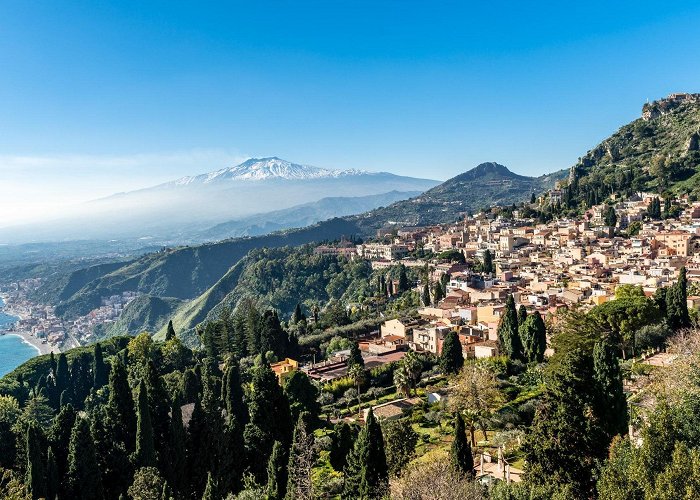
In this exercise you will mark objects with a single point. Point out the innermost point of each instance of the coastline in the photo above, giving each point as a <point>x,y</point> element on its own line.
<point>26,337</point>
<point>36,343</point>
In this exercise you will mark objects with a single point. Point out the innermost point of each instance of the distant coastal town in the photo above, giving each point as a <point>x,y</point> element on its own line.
<point>38,324</point>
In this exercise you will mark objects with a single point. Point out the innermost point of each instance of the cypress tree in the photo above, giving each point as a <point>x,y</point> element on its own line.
<point>120,406</point>
<point>610,400</point>
<point>145,454</point>
<point>425,297</point>
<point>99,368</point>
<point>190,387</point>
<point>270,419</point>
<point>59,436</point>
<point>176,447</point>
<point>52,363</point>
<point>277,473</point>
<point>677,302</point>
<point>355,355</point>
<point>210,491</point>
<point>170,332</point>
<point>342,445</point>
<point>533,335</point>
<point>522,315</point>
<point>302,457</point>
<point>564,445</point>
<point>437,293</point>
<point>403,279</point>
<point>36,472</point>
<point>508,337</point>
<point>487,264</point>
<point>62,374</point>
<point>366,473</point>
<point>451,358</point>
<point>158,406</point>
<point>84,478</point>
<point>232,393</point>
<point>53,482</point>
<point>461,450</point>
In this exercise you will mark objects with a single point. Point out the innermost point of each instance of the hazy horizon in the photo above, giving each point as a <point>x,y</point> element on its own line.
<point>125,95</point>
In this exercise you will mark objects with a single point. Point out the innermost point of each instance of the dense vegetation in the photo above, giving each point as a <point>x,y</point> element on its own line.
<point>657,155</point>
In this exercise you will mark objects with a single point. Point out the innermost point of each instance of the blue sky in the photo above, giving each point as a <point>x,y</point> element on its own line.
<point>100,97</point>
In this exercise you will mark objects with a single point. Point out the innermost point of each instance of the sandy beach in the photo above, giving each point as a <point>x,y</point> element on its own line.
<point>35,342</point>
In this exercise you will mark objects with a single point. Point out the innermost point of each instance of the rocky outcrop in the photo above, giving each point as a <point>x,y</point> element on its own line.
<point>693,143</point>
<point>655,109</point>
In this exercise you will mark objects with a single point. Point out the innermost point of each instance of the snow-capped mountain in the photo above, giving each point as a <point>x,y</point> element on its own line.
<point>185,206</point>
<point>259,169</point>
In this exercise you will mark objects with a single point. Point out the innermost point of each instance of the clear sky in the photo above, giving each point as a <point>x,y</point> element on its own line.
<point>99,97</point>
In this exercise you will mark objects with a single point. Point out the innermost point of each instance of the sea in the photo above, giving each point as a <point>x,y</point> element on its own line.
<point>13,349</point>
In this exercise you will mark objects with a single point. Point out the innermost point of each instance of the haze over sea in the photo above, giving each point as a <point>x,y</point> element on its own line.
<point>13,350</point>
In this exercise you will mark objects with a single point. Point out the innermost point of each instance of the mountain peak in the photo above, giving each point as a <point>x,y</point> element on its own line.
<point>491,167</point>
<point>268,168</point>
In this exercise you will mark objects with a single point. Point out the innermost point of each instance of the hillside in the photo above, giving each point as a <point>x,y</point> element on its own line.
<point>486,185</point>
<point>144,313</point>
<point>302,215</point>
<point>187,272</point>
<point>278,278</point>
<point>659,152</point>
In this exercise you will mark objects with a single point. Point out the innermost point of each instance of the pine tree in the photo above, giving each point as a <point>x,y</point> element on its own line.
<point>610,400</point>
<point>277,473</point>
<point>53,481</point>
<point>533,334</point>
<point>508,337</point>
<point>99,368</point>
<point>145,454</point>
<point>366,472</point>
<point>83,472</point>
<point>272,336</point>
<point>170,332</point>
<point>461,450</point>
<point>451,358</point>
<point>36,472</point>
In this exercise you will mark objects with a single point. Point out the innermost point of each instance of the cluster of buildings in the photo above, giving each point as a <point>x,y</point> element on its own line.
<point>546,267</point>
<point>40,321</point>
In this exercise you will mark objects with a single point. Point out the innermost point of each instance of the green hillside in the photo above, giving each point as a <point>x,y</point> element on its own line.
<point>278,278</point>
<point>658,152</point>
<point>144,313</point>
<point>484,186</point>
<point>187,272</point>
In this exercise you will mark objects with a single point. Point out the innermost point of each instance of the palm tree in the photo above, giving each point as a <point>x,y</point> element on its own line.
<point>402,380</point>
<point>413,367</point>
<point>358,375</point>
